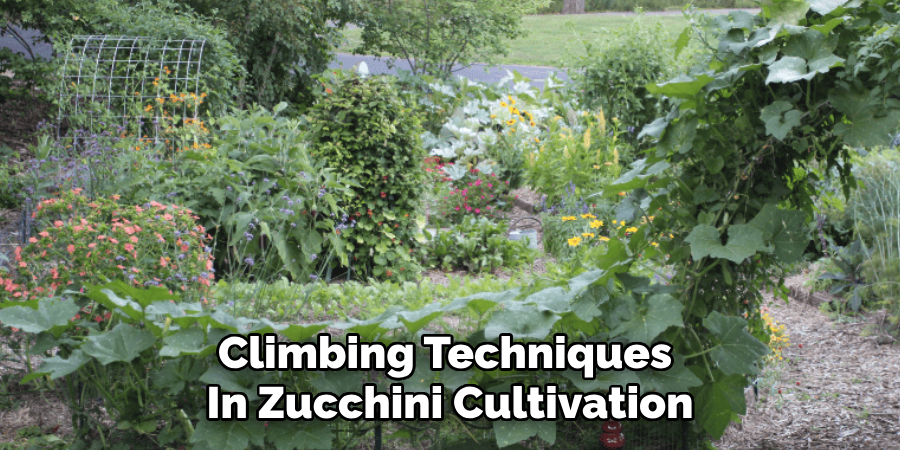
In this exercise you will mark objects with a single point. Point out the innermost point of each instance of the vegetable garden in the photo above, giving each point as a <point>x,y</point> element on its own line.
<point>663,206</point>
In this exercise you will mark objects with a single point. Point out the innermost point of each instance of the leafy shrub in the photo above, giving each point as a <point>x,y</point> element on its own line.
<point>584,159</point>
<point>476,195</point>
<point>281,44</point>
<point>78,241</point>
<point>272,207</point>
<point>362,128</point>
<point>613,74</point>
<point>478,245</point>
<point>11,185</point>
<point>457,32</point>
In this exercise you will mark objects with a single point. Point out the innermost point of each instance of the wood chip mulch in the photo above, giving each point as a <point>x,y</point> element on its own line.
<point>848,396</point>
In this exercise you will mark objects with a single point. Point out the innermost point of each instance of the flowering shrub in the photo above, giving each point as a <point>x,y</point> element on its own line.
<point>364,130</point>
<point>83,242</point>
<point>482,197</point>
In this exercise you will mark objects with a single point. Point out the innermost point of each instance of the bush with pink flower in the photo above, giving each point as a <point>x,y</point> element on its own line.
<point>476,195</point>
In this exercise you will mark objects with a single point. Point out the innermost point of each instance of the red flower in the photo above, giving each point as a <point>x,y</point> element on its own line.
<point>389,273</point>
<point>383,195</point>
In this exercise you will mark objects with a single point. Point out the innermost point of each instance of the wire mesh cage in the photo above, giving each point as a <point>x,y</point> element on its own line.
<point>654,435</point>
<point>119,83</point>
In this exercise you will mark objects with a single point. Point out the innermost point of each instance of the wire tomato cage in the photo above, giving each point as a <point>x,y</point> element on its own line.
<point>123,84</point>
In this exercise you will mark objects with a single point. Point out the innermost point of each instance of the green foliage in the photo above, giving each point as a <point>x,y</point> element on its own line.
<point>478,245</point>
<point>731,175</point>
<point>57,20</point>
<point>272,207</point>
<point>362,128</point>
<point>612,75</point>
<point>280,43</point>
<point>11,186</point>
<point>585,156</point>
<point>435,35</point>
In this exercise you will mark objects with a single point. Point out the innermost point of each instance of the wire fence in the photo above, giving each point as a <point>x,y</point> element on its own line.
<point>110,81</point>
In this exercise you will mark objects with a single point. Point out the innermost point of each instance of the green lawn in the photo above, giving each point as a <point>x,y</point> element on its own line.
<point>551,38</point>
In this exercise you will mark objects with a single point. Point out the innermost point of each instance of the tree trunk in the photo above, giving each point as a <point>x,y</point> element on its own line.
<point>573,7</point>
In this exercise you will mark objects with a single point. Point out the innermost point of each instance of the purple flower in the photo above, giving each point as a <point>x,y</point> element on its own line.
<point>313,257</point>
<point>249,261</point>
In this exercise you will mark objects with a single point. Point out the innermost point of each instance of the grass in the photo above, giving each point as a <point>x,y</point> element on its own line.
<point>551,39</point>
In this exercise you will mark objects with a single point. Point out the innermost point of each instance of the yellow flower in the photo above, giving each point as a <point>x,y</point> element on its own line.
<point>655,244</point>
<point>511,122</point>
<point>596,224</point>
<point>537,140</point>
<point>574,241</point>
<point>596,167</point>
<point>631,230</point>
<point>604,238</point>
<point>493,116</point>
<point>588,235</point>
<point>671,236</point>
<point>588,216</point>
<point>607,163</point>
<point>503,104</point>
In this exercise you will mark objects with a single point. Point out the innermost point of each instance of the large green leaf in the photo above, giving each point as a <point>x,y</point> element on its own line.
<point>244,381</point>
<point>290,435</point>
<point>50,312</point>
<point>743,242</point>
<point>866,129</point>
<point>416,320</point>
<point>58,367</point>
<point>184,342</point>
<point>483,302</point>
<point>824,7</point>
<point>522,324</point>
<point>789,69</point>
<point>737,349</point>
<point>123,343</point>
<point>785,230</point>
<point>683,86</point>
<point>676,379</point>
<point>721,401</point>
<point>651,318</point>
<point>780,118</point>
<point>785,12</point>
<point>229,434</point>
<point>509,432</point>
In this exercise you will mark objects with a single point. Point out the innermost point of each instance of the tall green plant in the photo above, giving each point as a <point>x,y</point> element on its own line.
<point>363,128</point>
<point>730,174</point>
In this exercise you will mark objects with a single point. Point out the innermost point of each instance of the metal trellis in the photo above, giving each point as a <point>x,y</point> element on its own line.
<point>104,79</point>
